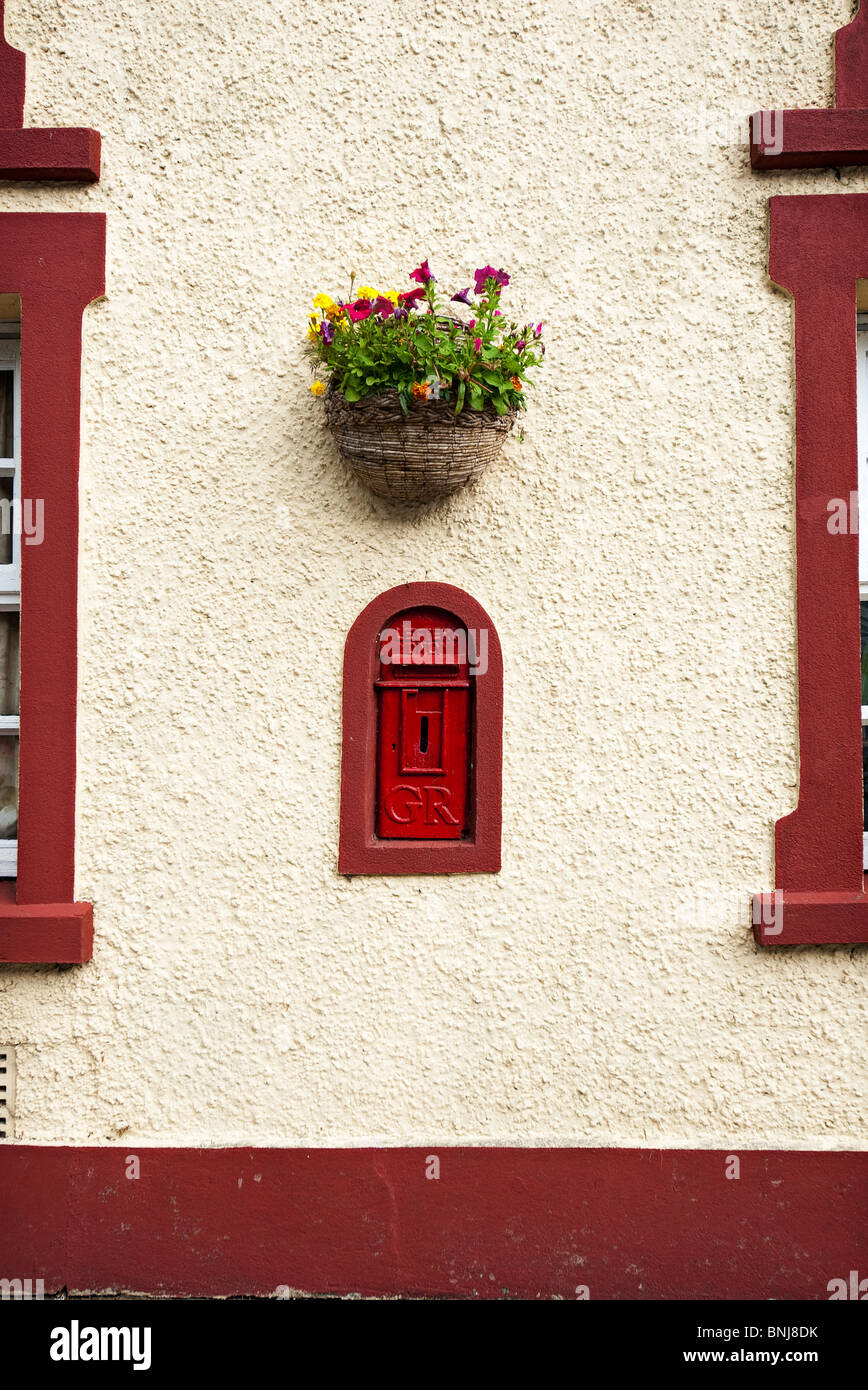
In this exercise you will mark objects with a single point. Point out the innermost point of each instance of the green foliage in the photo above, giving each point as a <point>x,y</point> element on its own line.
<point>411,344</point>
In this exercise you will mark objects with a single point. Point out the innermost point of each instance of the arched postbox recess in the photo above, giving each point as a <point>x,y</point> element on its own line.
<point>422,736</point>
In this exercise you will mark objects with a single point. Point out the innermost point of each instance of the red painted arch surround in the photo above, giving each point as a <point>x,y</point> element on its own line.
<point>55,263</point>
<point>361,852</point>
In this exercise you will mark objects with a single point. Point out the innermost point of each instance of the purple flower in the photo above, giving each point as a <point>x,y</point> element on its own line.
<point>401,313</point>
<point>488,272</point>
<point>422,274</point>
<point>520,345</point>
<point>461,297</point>
<point>327,333</point>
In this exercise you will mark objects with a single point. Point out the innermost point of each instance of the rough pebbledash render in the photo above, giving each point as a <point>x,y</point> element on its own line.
<point>636,554</point>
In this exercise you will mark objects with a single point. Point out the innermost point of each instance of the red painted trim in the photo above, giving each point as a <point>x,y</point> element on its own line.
<point>55,262</point>
<point>820,139</point>
<point>851,62</point>
<point>818,250</point>
<point>12,69</point>
<point>60,155</point>
<point>809,139</point>
<point>498,1222</point>
<point>811,919</point>
<point>48,934</point>
<point>361,852</point>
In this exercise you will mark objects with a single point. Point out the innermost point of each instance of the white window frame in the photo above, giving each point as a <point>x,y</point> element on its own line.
<point>862,436</point>
<point>10,575</point>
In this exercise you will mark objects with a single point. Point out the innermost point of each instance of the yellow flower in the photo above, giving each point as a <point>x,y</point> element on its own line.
<point>367,292</point>
<point>391,294</point>
<point>323,301</point>
<point>318,388</point>
<point>312,333</point>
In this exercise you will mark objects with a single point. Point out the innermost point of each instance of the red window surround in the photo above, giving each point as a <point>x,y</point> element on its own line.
<point>55,263</point>
<point>465,835</point>
<point>819,249</point>
<point>68,154</point>
<point>817,139</point>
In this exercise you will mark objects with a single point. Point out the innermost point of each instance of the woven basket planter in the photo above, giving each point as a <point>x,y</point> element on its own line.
<point>417,457</point>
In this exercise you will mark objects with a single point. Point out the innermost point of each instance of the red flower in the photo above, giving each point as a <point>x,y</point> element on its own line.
<point>362,309</point>
<point>422,274</point>
<point>384,307</point>
<point>411,296</point>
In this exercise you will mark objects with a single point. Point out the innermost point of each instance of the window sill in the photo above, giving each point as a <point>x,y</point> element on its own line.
<point>62,155</point>
<point>811,919</point>
<point>45,933</point>
<point>818,139</point>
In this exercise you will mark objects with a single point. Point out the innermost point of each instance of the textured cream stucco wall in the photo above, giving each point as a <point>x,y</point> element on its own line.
<point>636,554</point>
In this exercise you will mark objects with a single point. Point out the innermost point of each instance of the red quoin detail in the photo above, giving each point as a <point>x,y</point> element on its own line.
<point>12,65</point>
<point>55,263</point>
<point>851,62</point>
<point>421,768</point>
<point>816,139</point>
<point>68,154</point>
<point>424,700</point>
<point>818,251</point>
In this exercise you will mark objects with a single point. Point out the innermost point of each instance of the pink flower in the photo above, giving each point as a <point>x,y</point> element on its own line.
<point>498,314</point>
<point>362,309</point>
<point>477,344</point>
<point>422,274</point>
<point>411,296</point>
<point>472,323</point>
<point>538,330</point>
<point>488,272</point>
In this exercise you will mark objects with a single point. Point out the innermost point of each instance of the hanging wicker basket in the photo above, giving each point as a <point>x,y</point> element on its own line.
<point>416,457</point>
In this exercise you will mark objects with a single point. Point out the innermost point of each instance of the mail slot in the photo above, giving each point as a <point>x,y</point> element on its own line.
<point>423,691</point>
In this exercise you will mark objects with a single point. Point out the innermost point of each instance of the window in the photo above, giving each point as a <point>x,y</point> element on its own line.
<point>818,251</point>
<point>10,588</point>
<point>862,431</point>
<point>51,268</point>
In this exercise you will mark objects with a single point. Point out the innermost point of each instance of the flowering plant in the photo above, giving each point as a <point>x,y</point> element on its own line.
<point>376,342</point>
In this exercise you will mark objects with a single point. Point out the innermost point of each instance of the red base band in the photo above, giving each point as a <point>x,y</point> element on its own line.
<point>495,1223</point>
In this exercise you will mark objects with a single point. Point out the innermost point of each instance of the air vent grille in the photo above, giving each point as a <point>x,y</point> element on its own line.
<point>7,1091</point>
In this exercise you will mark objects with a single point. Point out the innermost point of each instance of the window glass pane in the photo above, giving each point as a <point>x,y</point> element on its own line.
<point>6,409</point>
<point>6,486</point>
<point>8,787</point>
<point>10,628</point>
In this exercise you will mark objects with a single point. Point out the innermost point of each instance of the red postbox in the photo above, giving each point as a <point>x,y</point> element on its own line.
<point>423,766</point>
